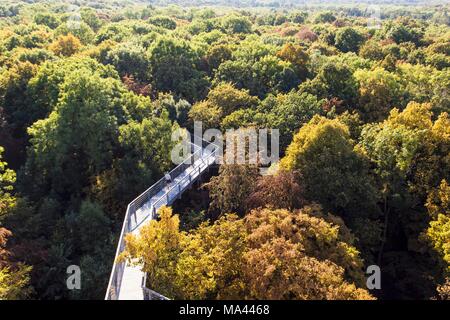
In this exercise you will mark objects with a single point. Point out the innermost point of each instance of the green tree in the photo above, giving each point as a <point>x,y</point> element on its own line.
<point>333,173</point>
<point>295,55</point>
<point>13,97</point>
<point>438,232</point>
<point>129,59</point>
<point>290,112</point>
<point>90,17</point>
<point>217,54</point>
<point>163,21</point>
<point>324,17</point>
<point>236,24</point>
<point>221,101</point>
<point>409,155</point>
<point>80,135</point>
<point>47,19</point>
<point>403,33</point>
<point>379,92</point>
<point>45,86</point>
<point>7,180</point>
<point>349,39</point>
<point>334,79</point>
<point>173,68</point>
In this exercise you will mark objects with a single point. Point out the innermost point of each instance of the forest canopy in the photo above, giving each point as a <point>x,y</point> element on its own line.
<point>91,92</point>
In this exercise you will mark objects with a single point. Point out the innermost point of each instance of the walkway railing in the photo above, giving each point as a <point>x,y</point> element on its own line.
<point>182,176</point>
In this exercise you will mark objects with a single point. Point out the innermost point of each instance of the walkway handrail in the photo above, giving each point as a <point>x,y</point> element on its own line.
<point>146,195</point>
<point>118,268</point>
<point>194,167</point>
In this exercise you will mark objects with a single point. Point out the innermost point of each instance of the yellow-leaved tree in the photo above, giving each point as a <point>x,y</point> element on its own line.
<point>66,45</point>
<point>269,254</point>
<point>438,232</point>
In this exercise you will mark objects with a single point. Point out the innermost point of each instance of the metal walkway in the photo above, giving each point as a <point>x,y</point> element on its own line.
<point>129,282</point>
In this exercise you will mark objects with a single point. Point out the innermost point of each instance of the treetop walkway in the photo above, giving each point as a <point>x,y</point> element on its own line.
<point>128,282</point>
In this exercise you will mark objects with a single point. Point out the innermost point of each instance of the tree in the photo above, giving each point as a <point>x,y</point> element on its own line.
<point>173,68</point>
<point>229,190</point>
<point>14,277</point>
<point>158,246</point>
<point>129,59</point>
<point>7,180</point>
<point>280,191</point>
<point>379,92</point>
<point>279,271</point>
<point>90,17</point>
<point>48,19</point>
<point>306,34</point>
<point>221,101</point>
<point>324,17</point>
<point>371,50</point>
<point>286,256</point>
<point>298,16</point>
<point>236,24</point>
<point>349,39</point>
<point>402,33</point>
<point>267,74</point>
<point>163,21</point>
<point>136,86</point>
<point>217,54</point>
<point>444,290</point>
<point>88,231</point>
<point>438,232</point>
<point>80,135</point>
<point>334,79</point>
<point>210,265</point>
<point>13,96</point>
<point>45,86</point>
<point>230,99</point>
<point>82,32</point>
<point>332,172</point>
<point>290,112</point>
<point>410,148</point>
<point>295,55</point>
<point>273,75</point>
<point>66,45</point>
<point>146,147</point>
<point>209,115</point>
<point>409,155</point>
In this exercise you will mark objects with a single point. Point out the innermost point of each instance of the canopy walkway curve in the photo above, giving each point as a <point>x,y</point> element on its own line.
<point>128,282</point>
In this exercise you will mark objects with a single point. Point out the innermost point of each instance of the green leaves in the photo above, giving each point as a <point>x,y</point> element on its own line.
<point>7,180</point>
<point>333,173</point>
<point>349,39</point>
<point>173,68</point>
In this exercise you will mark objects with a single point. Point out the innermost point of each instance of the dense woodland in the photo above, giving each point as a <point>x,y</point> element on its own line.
<point>91,91</point>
